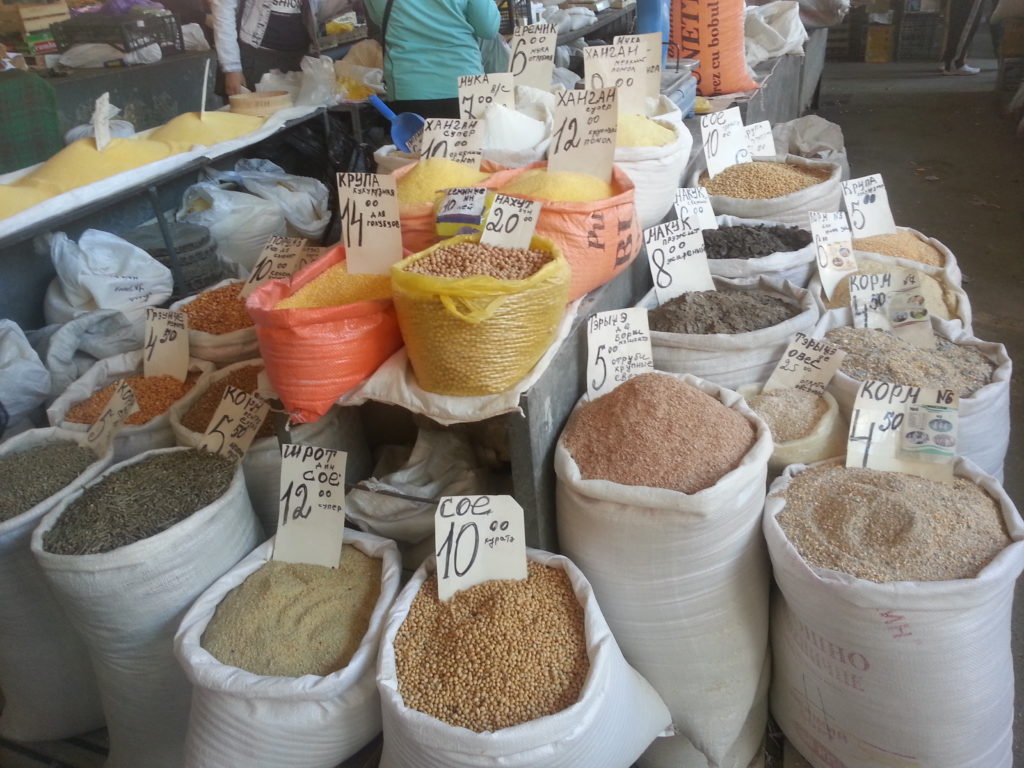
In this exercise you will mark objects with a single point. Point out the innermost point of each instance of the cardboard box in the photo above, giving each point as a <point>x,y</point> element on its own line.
<point>25,18</point>
<point>879,44</point>
<point>1011,40</point>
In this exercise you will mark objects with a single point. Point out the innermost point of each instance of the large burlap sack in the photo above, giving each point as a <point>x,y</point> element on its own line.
<point>49,689</point>
<point>617,716</point>
<point>313,356</point>
<point>220,348</point>
<point>907,673</point>
<point>732,359</point>
<point>984,424</point>
<point>656,173</point>
<point>126,605</point>
<point>713,34</point>
<point>949,263</point>
<point>795,266</point>
<point>683,581</point>
<point>785,209</point>
<point>131,439</point>
<point>315,721</point>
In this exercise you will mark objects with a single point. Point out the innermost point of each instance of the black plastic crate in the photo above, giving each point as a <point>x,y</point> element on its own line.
<point>127,33</point>
<point>514,13</point>
<point>919,37</point>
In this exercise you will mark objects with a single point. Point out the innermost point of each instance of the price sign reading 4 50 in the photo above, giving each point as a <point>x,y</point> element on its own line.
<point>166,350</point>
<point>311,508</point>
<point>478,539</point>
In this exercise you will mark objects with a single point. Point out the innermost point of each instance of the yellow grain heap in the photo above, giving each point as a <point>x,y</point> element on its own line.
<point>902,245</point>
<point>640,131</point>
<point>335,287</point>
<point>213,128</point>
<point>430,176</point>
<point>14,199</point>
<point>559,186</point>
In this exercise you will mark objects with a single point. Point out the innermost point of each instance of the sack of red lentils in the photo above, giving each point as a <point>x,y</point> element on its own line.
<point>659,490</point>
<point>891,622</point>
<point>219,326</point>
<point>283,658</point>
<point>746,249</point>
<point>84,400</point>
<point>510,674</point>
<point>48,685</point>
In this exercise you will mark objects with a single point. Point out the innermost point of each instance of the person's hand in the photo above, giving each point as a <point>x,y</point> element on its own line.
<point>233,83</point>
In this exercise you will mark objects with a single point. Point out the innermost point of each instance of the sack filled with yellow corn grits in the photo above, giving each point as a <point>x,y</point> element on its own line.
<point>15,199</point>
<point>653,153</point>
<point>210,128</point>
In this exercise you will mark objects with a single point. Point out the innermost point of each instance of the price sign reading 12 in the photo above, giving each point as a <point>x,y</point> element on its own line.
<point>311,508</point>
<point>478,539</point>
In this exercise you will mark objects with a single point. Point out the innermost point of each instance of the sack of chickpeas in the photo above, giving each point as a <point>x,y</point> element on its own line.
<point>476,318</point>
<point>516,674</point>
<point>219,327</point>
<point>283,658</point>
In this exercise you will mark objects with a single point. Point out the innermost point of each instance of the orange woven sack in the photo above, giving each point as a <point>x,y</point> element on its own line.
<point>313,356</point>
<point>712,31</point>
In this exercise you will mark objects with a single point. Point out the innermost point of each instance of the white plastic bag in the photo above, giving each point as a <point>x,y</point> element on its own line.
<point>24,380</point>
<point>317,89</point>
<point>48,684</point>
<point>242,719</point>
<point>795,266</point>
<point>126,605</point>
<point>683,582</point>
<point>193,38</point>
<point>220,348</point>
<point>814,137</point>
<point>656,173</point>
<point>514,138</point>
<point>617,716</point>
<point>908,674</point>
<point>772,30</point>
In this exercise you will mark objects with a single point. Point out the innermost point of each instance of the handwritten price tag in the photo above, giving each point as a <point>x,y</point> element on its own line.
<point>234,424</point>
<point>807,364</point>
<point>311,509</point>
<point>868,300</point>
<point>724,140</point>
<point>166,350</point>
<point>678,261</point>
<point>478,539</point>
<point>760,141</point>
<point>478,92</point>
<point>370,229</point>
<point>280,258</point>
<point>462,210</point>
<point>619,348</point>
<point>586,125</point>
<point>832,247</point>
<point>120,406</point>
<point>622,67</point>
<point>511,222</point>
<point>868,205</point>
<point>693,208</point>
<point>650,43</point>
<point>101,122</point>
<point>533,55</point>
<point>457,140</point>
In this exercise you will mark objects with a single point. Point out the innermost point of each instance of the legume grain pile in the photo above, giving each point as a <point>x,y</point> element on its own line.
<point>495,655</point>
<point>888,526</point>
<point>902,245</point>
<point>139,501</point>
<point>659,432</point>
<point>882,356</point>
<point>197,417</point>
<point>295,619</point>
<point>763,179</point>
<point>791,414</point>
<point>703,312</point>
<point>219,311</point>
<point>154,395</point>
<point>469,259</point>
<point>335,287</point>
<point>746,241</point>
<point>35,474</point>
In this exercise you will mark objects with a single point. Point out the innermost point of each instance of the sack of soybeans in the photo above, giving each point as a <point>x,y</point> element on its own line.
<point>781,190</point>
<point>150,427</point>
<point>659,490</point>
<point>516,674</point>
<point>744,249</point>
<point>219,326</point>
<point>730,336</point>
<point>979,371</point>
<point>283,658</point>
<point>909,244</point>
<point>891,622</point>
<point>476,318</point>
<point>654,163</point>
<point>49,689</point>
<point>126,556</point>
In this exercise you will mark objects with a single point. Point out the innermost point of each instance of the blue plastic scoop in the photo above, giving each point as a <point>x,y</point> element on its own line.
<point>403,126</point>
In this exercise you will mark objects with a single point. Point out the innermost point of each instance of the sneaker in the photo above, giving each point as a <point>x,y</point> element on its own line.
<point>963,69</point>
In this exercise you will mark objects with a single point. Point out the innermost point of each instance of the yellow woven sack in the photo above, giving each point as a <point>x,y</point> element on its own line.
<point>478,335</point>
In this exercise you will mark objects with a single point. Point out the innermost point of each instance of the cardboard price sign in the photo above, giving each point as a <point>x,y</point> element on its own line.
<point>533,55</point>
<point>650,43</point>
<point>457,140</point>
<point>370,229</point>
<point>693,208</point>
<point>280,258</point>
<point>760,141</point>
<point>478,92</point>
<point>478,539</point>
<point>311,509</point>
<point>618,348</point>
<point>234,424</point>
<point>101,122</point>
<point>930,433</point>
<point>807,364</point>
<point>724,140</point>
<point>892,302</point>
<point>868,205</point>
<point>623,67</point>
<point>678,261</point>
<point>120,406</point>
<point>166,350</point>
<point>511,222</point>
<point>463,209</point>
<point>585,129</point>
<point>832,248</point>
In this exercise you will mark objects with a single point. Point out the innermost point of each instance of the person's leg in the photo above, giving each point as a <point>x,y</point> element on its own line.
<point>970,27</point>
<point>963,18</point>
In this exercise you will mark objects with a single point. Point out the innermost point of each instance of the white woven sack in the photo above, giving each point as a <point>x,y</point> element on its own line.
<point>126,605</point>
<point>242,719</point>
<point>795,266</point>
<point>48,686</point>
<point>908,674</point>
<point>617,716</point>
<point>220,348</point>
<point>682,580</point>
<point>656,173</point>
<point>389,159</point>
<point>949,263</point>
<point>732,359</point>
<point>339,429</point>
<point>785,209</point>
<point>984,424</point>
<point>131,439</point>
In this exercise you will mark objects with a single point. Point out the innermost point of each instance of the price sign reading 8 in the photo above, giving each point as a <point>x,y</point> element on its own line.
<point>678,260</point>
<point>311,511</point>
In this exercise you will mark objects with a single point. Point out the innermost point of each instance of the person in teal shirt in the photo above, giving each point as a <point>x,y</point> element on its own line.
<point>428,45</point>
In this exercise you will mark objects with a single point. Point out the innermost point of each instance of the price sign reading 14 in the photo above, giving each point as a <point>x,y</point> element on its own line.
<point>311,510</point>
<point>511,222</point>
<point>369,222</point>
<point>724,139</point>
<point>618,348</point>
<point>478,539</point>
<point>868,205</point>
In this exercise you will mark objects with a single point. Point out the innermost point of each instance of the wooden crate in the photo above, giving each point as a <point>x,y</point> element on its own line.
<point>26,18</point>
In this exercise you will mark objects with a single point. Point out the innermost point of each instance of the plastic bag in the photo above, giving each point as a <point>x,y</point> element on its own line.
<point>798,267</point>
<point>712,33</point>
<point>193,37</point>
<point>24,380</point>
<point>655,173</point>
<point>495,54</point>
<point>317,89</point>
<point>390,158</point>
<point>813,137</point>
<point>773,30</point>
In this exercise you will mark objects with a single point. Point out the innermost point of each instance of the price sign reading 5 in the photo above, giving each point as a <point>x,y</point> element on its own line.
<point>619,348</point>
<point>868,205</point>
<point>234,424</point>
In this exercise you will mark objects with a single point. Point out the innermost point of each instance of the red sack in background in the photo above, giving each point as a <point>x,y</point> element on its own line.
<point>712,31</point>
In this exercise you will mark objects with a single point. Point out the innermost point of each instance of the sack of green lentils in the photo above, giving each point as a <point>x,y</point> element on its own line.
<point>84,400</point>
<point>281,698</point>
<point>668,533</point>
<point>980,371</point>
<point>533,680</point>
<point>126,556</point>
<point>339,429</point>
<point>731,336</point>
<point>744,249</point>
<point>49,689</point>
<point>219,327</point>
<point>893,649</point>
